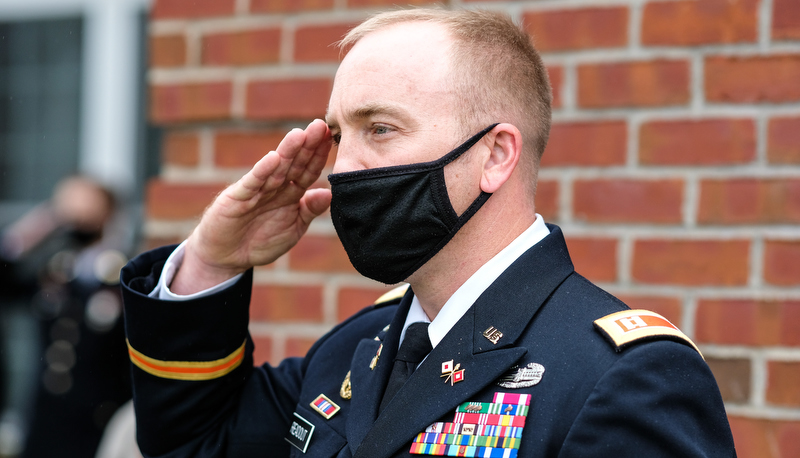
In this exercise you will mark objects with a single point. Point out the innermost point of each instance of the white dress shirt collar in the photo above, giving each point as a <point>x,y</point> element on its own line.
<point>468,293</point>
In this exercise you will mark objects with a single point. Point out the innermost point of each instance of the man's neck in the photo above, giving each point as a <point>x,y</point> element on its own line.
<point>471,248</point>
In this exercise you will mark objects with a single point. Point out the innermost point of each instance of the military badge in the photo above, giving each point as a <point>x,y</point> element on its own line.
<point>479,429</point>
<point>346,391</point>
<point>374,361</point>
<point>522,377</point>
<point>493,334</point>
<point>325,406</point>
<point>454,374</point>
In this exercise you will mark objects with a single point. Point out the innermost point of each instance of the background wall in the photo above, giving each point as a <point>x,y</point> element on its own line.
<point>673,166</point>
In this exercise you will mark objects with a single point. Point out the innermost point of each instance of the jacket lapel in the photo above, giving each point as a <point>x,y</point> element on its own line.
<point>368,384</point>
<point>511,302</point>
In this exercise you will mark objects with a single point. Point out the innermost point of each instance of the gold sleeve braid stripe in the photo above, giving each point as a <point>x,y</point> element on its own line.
<point>187,370</point>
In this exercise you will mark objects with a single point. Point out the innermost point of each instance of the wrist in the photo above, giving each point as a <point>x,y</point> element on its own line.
<point>194,275</point>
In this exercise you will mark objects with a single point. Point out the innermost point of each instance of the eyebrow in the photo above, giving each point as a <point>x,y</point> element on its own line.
<point>367,111</point>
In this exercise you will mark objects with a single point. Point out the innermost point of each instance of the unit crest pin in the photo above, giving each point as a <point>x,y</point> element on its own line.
<point>346,391</point>
<point>374,361</point>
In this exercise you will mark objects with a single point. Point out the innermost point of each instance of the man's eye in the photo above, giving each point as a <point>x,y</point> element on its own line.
<point>380,130</point>
<point>337,137</point>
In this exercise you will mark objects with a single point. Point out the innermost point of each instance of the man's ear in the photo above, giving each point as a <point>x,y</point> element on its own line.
<point>504,155</point>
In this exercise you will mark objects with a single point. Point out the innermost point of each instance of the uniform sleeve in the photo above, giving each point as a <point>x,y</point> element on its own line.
<point>659,399</point>
<point>196,392</point>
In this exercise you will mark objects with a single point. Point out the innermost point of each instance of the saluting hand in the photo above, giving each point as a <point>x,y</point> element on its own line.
<point>260,217</point>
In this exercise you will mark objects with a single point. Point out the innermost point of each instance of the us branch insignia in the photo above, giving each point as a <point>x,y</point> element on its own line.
<point>493,335</point>
<point>453,374</point>
<point>522,377</point>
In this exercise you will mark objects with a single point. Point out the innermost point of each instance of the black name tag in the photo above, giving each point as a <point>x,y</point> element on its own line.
<point>300,433</point>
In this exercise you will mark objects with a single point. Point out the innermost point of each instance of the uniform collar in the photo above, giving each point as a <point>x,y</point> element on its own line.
<point>468,293</point>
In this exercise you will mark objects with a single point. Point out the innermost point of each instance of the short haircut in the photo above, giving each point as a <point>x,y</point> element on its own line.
<point>495,68</point>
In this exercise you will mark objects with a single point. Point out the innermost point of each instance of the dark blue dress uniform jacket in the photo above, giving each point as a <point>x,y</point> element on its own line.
<point>654,398</point>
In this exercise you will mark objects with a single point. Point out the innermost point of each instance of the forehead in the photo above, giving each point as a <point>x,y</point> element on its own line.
<point>405,66</point>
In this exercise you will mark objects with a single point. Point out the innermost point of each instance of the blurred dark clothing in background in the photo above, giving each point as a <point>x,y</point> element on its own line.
<point>60,259</point>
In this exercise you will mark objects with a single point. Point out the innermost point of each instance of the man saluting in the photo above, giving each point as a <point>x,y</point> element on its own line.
<point>498,348</point>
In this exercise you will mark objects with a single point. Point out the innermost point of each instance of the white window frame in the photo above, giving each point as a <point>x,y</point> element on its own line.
<point>110,81</point>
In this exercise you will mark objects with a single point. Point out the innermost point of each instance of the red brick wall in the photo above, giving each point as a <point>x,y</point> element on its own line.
<point>673,167</point>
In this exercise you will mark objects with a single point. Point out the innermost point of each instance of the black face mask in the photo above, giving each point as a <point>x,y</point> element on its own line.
<point>392,220</point>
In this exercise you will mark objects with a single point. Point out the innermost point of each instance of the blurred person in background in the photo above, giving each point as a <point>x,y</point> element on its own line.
<point>63,260</point>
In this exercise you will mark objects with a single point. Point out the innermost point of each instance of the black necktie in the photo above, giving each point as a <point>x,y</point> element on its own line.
<point>416,345</point>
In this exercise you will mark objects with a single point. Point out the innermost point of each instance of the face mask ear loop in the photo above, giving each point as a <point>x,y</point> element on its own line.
<point>464,147</point>
<point>379,172</point>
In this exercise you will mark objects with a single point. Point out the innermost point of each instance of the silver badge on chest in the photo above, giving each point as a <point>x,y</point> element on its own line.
<point>522,377</point>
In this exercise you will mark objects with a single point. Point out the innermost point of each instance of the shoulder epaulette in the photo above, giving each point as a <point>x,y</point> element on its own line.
<point>630,326</point>
<point>393,295</point>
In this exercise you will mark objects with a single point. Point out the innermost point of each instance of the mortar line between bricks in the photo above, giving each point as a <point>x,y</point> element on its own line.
<point>759,381</point>
<point>757,262</point>
<point>206,149</point>
<point>705,292</point>
<point>259,20</point>
<point>688,315</point>
<point>330,290</point>
<point>702,172</point>
<point>286,50</point>
<point>635,18</point>
<point>279,265</point>
<point>168,229</point>
<point>625,260</point>
<point>514,11</point>
<point>193,49</point>
<point>160,28</point>
<point>288,328</point>
<point>764,22</point>
<point>238,97</point>
<point>643,231</point>
<point>279,345</point>
<point>289,277</point>
<point>241,7</point>
<point>565,197</point>
<point>632,154</point>
<point>569,88</point>
<point>198,175</point>
<point>762,135</point>
<point>557,5</point>
<point>706,112</point>
<point>691,200</point>
<point>188,75</point>
<point>609,56</point>
<point>697,94</point>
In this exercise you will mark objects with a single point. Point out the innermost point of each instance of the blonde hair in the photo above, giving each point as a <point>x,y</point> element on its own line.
<point>496,71</point>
